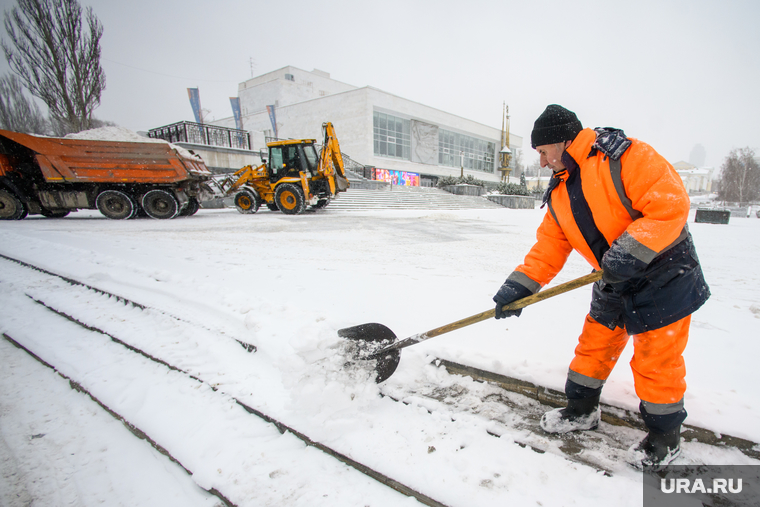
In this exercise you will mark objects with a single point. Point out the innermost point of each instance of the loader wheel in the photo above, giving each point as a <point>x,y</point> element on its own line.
<point>272,206</point>
<point>11,207</point>
<point>247,202</point>
<point>160,204</point>
<point>289,199</point>
<point>115,205</point>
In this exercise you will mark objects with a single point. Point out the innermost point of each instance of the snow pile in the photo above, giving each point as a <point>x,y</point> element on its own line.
<point>121,134</point>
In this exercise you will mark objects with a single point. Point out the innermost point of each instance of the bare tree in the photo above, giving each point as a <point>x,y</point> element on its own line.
<point>517,157</point>
<point>57,59</point>
<point>534,169</point>
<point>17,113</point>
<point>740,177</point>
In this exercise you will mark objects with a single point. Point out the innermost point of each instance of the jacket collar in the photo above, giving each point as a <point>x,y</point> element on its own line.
<point>576,151</point>
<point>580,148</point>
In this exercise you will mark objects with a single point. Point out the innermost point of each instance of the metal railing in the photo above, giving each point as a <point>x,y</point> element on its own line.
<point>198,133</point>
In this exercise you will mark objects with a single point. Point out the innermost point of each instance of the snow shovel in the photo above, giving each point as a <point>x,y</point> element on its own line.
<point>376,341</point>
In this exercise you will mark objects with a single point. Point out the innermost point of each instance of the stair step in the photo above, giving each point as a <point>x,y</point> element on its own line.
<point>428,198</point>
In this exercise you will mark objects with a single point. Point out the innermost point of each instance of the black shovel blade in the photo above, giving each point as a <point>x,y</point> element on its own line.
<point>371,338</point>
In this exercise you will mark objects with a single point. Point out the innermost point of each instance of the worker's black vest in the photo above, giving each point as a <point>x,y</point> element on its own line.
<point>582,212</point>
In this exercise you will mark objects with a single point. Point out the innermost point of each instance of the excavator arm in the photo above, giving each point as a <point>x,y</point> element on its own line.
<point>331,161</point>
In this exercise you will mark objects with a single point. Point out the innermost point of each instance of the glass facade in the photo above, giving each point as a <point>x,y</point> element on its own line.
<point>392,136</point>
<point>478,154</point>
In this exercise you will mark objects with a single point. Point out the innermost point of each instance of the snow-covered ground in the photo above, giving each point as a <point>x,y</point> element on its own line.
<point>287,284</point>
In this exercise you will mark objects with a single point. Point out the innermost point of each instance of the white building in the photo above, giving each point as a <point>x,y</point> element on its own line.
<point>695,180</point>
<point>374,128</point>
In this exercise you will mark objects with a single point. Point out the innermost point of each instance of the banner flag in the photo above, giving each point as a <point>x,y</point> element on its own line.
<point>235,103</point>
<point>273,119</point>
<point>195,103</point>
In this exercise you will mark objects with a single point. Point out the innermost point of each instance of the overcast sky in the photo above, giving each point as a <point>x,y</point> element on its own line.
<point>672,73</point>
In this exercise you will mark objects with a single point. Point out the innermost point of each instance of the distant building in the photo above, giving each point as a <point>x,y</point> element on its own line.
<point>696,181</point>
<point>374,128</point>
<point>537,183</point>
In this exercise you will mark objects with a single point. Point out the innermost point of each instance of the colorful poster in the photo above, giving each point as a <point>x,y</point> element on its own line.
<point>235,103</point>
<point>195,102</point>
<point>402,178</point>
<point>273,119</point>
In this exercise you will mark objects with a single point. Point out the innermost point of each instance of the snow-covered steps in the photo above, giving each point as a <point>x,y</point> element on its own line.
<point>402,198</point>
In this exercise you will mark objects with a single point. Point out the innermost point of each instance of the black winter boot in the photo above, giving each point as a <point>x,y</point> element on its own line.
<point>582,413</point>
<point>663,443</point>
<point>657,450</point>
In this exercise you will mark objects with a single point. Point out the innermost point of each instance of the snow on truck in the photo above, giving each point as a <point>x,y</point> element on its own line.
<point>121,178</point>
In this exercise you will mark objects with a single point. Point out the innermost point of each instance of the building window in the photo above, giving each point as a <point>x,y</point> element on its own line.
<point>289,77</point>
<point>455,150</point>
<point>392,136</point>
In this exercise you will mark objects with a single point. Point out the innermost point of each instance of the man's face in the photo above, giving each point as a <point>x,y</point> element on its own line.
<point>551,155</point>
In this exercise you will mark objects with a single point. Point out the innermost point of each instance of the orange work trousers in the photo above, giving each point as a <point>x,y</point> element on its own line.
<point>658,366</point>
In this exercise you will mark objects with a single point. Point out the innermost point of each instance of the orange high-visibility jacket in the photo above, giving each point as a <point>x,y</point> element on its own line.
<point>640,201</point>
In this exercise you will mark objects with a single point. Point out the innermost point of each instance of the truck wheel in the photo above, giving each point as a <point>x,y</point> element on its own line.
<point>191,209</point>
<point>115,205</point>
<point>247,202</point>
<point>160,204</point>
<point>289,199</point>
<point>11,207</point>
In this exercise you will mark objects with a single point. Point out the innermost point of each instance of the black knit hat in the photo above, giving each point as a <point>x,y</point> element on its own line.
<point>556,124</point>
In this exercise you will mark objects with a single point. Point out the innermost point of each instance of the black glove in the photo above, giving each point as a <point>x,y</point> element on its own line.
<point>509,292</point>
<point>620,265</point>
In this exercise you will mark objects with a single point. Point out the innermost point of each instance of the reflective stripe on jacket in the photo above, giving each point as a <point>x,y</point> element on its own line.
<point>640,201</point>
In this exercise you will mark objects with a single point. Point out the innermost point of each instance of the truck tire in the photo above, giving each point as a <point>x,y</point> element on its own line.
<point>247,202</point>
<point>289,199</point>
<point>191,209</point>
<point>115,205</point>
<point>160,204</point>
<point>11,207</point>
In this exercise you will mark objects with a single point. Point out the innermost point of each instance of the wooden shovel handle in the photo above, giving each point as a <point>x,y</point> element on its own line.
<point>521,303</point>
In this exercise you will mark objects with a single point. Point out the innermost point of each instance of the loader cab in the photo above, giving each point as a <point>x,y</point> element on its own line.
<point>289,159</point>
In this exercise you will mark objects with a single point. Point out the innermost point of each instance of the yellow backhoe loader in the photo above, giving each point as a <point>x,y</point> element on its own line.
<point>293,177</point>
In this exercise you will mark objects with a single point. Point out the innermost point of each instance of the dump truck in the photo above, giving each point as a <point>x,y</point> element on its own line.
<point>122,179</point>
<point>293,177</point>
